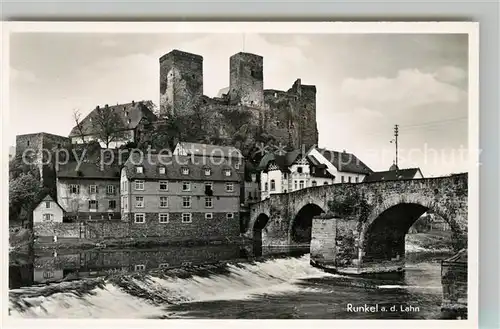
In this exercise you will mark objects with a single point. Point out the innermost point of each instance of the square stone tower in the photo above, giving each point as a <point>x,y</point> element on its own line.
<point>246,80</point>
<point>181,83</point>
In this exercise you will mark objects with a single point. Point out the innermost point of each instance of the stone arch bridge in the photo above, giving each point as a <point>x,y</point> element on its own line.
<point>371,219</point>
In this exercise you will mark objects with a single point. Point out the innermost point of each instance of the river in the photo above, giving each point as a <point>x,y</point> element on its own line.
<point>214,282</point>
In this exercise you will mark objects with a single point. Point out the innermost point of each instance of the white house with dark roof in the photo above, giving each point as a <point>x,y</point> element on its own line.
<point>48,211</point>
<point>394,173</point>
<point>291,172</point>
<point>344,167</point>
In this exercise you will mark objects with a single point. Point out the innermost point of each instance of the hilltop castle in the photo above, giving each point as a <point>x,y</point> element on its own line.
<point>245,111</point>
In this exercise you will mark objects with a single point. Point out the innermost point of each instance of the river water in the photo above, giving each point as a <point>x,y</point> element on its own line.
<point>215,282</point>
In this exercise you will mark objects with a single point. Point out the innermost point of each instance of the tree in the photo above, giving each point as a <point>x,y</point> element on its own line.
<point>108,126</point>
<point>25,192</point>
<point>78,124</point>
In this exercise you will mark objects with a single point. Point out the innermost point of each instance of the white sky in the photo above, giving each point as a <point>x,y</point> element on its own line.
<point>365,84</point>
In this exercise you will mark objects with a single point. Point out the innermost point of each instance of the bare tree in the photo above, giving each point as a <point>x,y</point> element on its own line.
<point>108,126</point>
<point>78,124</point>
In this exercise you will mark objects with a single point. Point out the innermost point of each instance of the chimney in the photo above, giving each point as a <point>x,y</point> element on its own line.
<point>133,103</point>
<point>343,151</point>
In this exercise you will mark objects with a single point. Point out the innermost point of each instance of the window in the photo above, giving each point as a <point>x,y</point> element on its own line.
<point>139,169</point>
<point>314,183</point>
<point>163,202</point>
<point>186,201</point>
<point>208,202</point>
<point>47,204</point>
<point>110,189</point>
<point>164,265</point>
<point>342,178</point>
<point>301,184</point>
<point>139,185</point>
<point>162,170</point>
<point>74,189</point>
<point>229,187</point>
<point>93,204</point>
<point>299,170</point>
<point>294,184</point>
<point>273,185</point>
<point>139,218</point>
<point>112,204</point>
<point>163,218</point>
<point>140,267</point>
<point>163,186</point>
<point>349,178</point>
<point>139,202</point>
<point>209,215</point>
<point>28,143</point>
<point>230,215</point>
<point>93,189</point>
<point>48,274</point>
<point>47,217</point>
<point>186,186</point>
<point>185,171</point>
<point>227,172</point>
<point>187,218</point>
<point>357,179</point>
<point>207,171</point>
<point>313,170</point>
<point>208,185</point>
<point>266,186</point>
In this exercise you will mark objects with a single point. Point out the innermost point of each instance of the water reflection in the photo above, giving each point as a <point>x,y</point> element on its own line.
<point>62,265</point>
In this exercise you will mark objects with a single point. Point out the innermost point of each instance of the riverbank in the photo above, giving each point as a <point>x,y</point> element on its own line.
<point>433,241</point>
<point>119,243</point>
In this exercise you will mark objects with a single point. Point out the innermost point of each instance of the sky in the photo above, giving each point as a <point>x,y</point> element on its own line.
<point>366,83</point>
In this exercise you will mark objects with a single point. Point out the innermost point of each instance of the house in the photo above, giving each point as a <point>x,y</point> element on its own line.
<point>131,115</point>
<point>88,191</point>
<point>205,153</point>
<point>290,172</point>
<point>394,173</point>
<point>180,198</point>
<point>48,211</point>
<point>343,166</point>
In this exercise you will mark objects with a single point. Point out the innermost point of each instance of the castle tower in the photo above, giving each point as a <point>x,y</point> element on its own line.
<point>246,80</point>
<point>181,82</point>
<point>306,112</point>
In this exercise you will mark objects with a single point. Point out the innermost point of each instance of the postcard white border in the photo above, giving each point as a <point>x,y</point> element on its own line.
<point>470,28</point>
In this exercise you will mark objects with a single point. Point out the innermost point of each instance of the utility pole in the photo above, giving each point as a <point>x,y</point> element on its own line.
<point>396,134</point>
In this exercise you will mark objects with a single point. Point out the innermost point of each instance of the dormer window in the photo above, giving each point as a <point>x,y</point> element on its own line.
<point>208,172</point>
<point>162,170</point>
<point>185,171</point>
<point>227,172</point>
<point>139,169</point>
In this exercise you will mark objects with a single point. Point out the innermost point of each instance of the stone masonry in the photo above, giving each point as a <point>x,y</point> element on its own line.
<point>371,218</point>
<point>247,114</point>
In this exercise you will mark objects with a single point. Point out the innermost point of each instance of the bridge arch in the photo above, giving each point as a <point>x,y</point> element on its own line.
<point>383,234</point>
<point>301,224</point>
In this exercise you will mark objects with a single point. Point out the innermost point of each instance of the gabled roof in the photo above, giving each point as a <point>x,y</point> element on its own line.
<point>134,112</point>
<point>199,149</point>
<point>282,161</point>
<point>400,174</point>
<point>88,170</point>
<point>345,162</point>
<point>173,168</point>
<point>49,198</point>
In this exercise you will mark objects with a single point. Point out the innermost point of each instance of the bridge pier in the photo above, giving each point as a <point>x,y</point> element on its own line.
<point>335,248</point>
